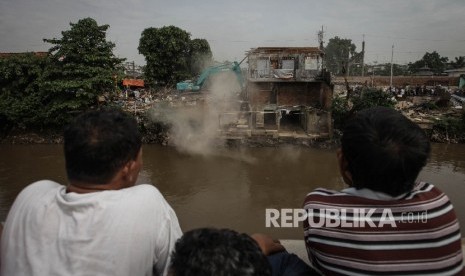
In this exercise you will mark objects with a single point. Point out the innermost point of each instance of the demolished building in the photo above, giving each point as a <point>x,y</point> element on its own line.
<point>288,95</point>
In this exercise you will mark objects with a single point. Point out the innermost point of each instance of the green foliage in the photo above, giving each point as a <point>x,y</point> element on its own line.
<point>459,62</point>
<point>343,108</point>
<point>39,92</point>
<point>20,101</point>
<point>80,67</point>
<point>200,56</point>
<point>385,70</point>
<point>339,111</point>
<point>450,126</point>
<point>166,52</point>
<point>371,98</point>
<point>171,56</point>
<point>433,61</point>
<point>337,53</point>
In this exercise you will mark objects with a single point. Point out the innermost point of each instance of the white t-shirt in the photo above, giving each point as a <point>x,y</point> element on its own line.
<point>116,232</point>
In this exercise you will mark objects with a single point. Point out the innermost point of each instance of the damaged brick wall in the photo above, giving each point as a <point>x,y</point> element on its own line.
<point>259,94</point>
<point>292,94</point>
<point>326,96</point>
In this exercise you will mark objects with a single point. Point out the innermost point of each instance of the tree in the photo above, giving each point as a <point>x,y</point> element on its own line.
<point>166,51</point>
<point>343,108</point>
<point>171,55</point>
<point>81,66</point>
<point>20,99</point>
<point>338,51</point>
<point>385,69</point>
<point>433,61</point>
<point>459,62</point>
<point>200,55</point>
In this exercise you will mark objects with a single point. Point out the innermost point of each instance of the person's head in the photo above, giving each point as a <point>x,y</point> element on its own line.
<point>382,150</point>
<point>222,252</point>
<point>97,144</point>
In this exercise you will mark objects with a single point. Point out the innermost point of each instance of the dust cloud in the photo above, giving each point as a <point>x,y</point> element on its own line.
<point>195,128</point>
<point>289,153</point>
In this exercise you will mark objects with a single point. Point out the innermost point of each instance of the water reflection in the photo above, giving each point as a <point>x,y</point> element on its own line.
<point>231,188</point>
<point>446,170</point>
<point>448,155</point>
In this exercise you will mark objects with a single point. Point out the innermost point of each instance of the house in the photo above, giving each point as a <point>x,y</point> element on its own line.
<point>424,71</point>
<point>288,94</point>
<point>455,72</point>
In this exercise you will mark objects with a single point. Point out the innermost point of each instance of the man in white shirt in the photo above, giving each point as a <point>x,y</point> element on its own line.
<point>100,223</point>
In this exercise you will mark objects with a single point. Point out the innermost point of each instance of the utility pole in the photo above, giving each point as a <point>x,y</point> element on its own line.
<point>363,56</point>
<point>321,42</point>
<point>348,65</point>
<point>373,73</point>
<point>133,70</point>
<point>392,57</point>
<point>320,38</point>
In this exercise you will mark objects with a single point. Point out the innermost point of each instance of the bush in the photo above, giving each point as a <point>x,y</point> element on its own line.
<point>343,108</point>
<point>452,128</point>
<point>339,112</point>
<point>20,100</point>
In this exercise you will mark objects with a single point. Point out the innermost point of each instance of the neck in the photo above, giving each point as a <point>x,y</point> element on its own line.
<point>83,187</point>
<point>125,177</point>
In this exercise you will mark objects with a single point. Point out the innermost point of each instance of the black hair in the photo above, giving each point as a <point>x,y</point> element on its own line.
<point>98,143</point>
<point>385,150</point>
<point>218,252</point>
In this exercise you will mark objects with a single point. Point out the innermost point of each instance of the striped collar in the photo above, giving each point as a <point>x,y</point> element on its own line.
<point>370,194</point>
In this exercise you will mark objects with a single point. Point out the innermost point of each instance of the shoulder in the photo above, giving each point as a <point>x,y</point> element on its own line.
<point>150,203</point>
<point>146,195</point>
<point>144,191</point>
<point>424,187</point>
<point>325,192</point>
<point>423,191</point>
<point>324,198</point>
<point>322,194</point>
<point>40,187</point>
<point>44,184</point>
<point>35,195</point>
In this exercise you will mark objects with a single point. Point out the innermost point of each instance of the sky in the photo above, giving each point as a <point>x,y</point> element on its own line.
<point>414,27</point>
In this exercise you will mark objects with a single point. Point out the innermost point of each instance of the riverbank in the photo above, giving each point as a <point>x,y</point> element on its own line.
<point>25,137</point>
<point>441,125</point>
<point>162,137</point>
<point>158,134</point>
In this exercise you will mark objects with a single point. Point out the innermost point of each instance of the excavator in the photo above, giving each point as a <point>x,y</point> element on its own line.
<point>190,85</point>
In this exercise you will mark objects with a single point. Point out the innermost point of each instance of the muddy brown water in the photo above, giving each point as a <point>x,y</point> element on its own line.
<point>230,188</point>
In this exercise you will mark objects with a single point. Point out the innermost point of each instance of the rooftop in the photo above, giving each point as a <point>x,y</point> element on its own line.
<point>288,50</point>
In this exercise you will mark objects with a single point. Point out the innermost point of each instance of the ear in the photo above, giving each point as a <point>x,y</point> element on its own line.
<point>134,167</point>
<point>126,171</point>
<point>344,167</point>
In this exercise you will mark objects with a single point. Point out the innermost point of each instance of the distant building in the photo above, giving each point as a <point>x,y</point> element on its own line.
<point>455,72</point>
<point>424,71</point>
<point>288,93</point>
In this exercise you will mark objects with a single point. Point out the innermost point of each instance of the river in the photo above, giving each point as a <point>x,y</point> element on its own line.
<point>228,188</point>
